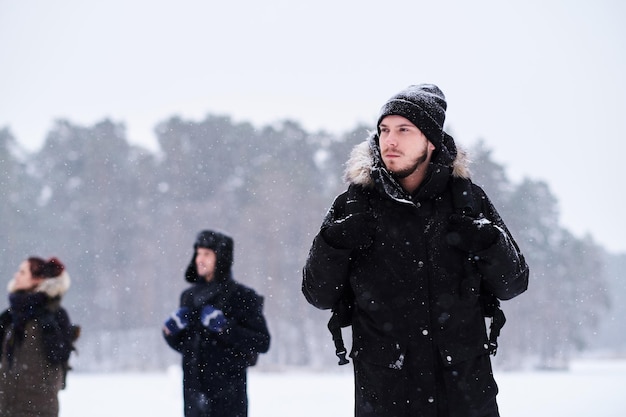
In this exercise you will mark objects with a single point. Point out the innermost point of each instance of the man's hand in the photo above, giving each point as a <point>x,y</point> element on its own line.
<point>354,232</point>
<point>213,319</point>
<point>470,234</point>
<point>179,320</point>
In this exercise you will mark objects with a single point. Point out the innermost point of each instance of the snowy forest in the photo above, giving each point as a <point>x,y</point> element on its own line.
<point>123,219</point>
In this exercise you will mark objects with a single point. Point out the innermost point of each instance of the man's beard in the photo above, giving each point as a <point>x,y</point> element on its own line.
<point>403,173</point>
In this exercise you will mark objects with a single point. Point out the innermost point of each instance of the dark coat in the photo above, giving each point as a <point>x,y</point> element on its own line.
<point>34,358</point>
<point>420,345</point>
<point>214,364</point>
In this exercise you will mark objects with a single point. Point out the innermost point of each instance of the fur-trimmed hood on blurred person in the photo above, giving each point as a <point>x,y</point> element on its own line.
<point>52,287</point>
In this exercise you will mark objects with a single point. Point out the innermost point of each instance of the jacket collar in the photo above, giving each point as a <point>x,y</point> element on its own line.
<point>52,287</point>
<point>365,168</point>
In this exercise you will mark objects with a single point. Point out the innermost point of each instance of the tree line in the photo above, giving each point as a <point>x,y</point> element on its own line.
<point>124,219</point>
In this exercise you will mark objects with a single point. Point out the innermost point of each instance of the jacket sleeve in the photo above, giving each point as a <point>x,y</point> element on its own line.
<point>326,271</point>
<point>503,266</point>
<point>177,341</point>
<point>247,331</point>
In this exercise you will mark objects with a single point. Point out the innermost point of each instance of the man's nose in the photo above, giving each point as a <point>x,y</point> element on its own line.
<point>390,140</point>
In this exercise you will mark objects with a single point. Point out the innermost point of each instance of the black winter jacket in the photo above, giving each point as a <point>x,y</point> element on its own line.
<point>419,344</point>
<point>214,364</point>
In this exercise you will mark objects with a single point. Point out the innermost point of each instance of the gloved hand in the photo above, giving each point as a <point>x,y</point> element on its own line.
<point>213,319</point>
<point>178,321</point>
<point>354,232</point>
<point>470,234</point>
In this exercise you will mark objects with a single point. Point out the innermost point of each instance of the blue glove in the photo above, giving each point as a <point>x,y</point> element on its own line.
<point>213,319</point>
<point>178,321</point>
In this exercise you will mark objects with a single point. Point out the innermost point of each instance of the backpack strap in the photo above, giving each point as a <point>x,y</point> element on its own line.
<point>497,323</point>
<point>341,317</point>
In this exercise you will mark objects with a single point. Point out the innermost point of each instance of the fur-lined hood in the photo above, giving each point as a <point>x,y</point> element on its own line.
<point>52,287</point>
<point>365,158</point>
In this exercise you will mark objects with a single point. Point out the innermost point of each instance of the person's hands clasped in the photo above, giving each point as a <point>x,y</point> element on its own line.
<point>356,231</point>
<point>471,234</point>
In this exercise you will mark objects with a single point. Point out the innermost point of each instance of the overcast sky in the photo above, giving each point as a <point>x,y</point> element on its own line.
<point>542,82</point>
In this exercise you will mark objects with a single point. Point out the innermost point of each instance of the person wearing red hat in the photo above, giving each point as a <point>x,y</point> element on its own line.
<point>36,340</point>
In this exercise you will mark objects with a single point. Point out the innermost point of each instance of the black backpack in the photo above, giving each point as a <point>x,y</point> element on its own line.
<point>74,334</point>
<point>464,203</point>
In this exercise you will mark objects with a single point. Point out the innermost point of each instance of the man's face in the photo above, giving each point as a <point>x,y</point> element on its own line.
<point>205,263</point>
<point>404,148</point>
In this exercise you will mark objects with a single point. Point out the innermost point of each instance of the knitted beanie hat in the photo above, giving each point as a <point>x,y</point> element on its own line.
<point>424,105</point>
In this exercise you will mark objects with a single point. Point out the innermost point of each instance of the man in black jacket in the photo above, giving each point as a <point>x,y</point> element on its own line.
<point>414,265</point>
<point>219,329</point>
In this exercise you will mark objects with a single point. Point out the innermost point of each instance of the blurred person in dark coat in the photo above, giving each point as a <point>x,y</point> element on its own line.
<point>219,329</point>
<point>36,340</point>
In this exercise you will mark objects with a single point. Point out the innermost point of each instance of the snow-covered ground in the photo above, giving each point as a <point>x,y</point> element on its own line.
<point>589,388</point>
